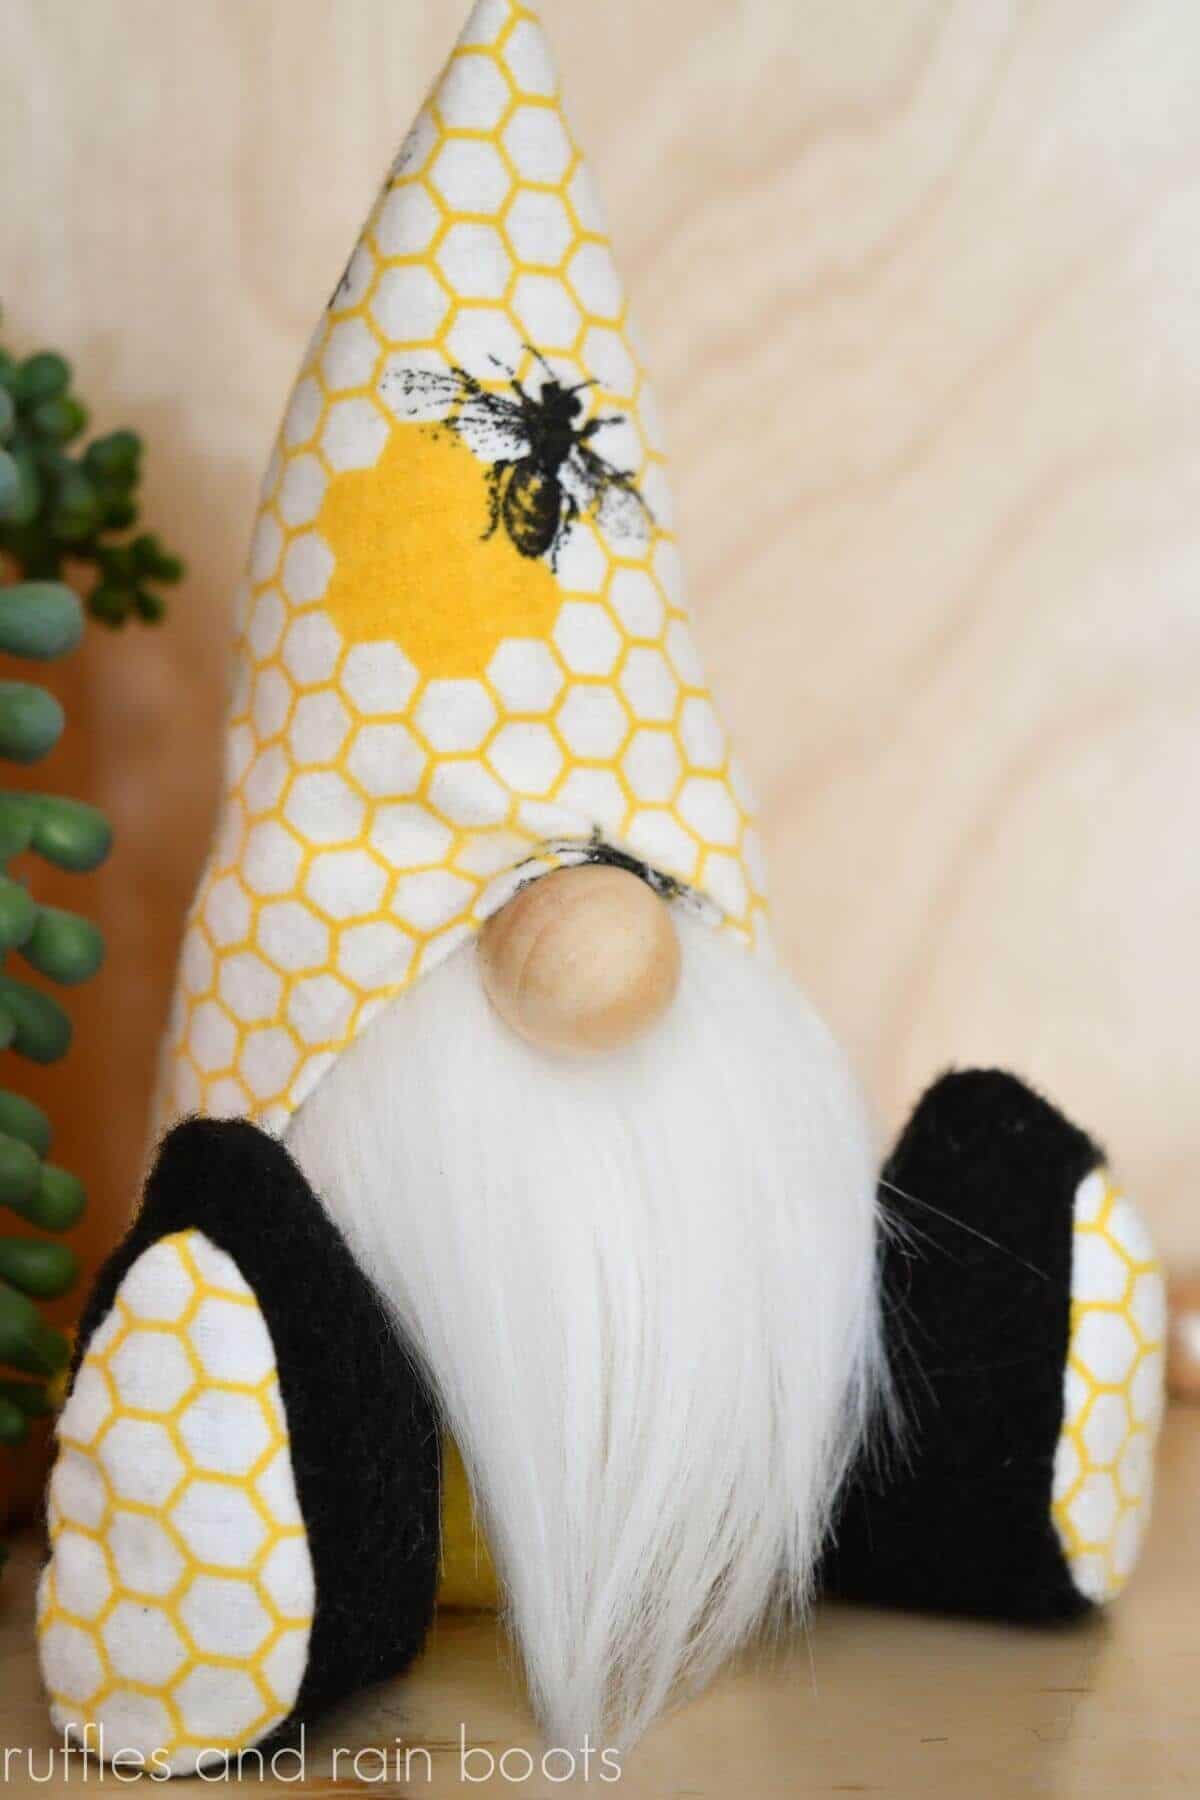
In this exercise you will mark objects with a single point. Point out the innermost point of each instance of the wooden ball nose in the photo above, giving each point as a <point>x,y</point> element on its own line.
<point>585,959</point>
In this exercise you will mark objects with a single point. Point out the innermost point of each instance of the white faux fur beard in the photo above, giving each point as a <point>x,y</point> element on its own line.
<point>643,1288</point>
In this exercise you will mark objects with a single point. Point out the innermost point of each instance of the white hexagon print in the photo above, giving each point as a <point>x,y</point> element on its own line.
<point>177,1605</point>
<point>464,644</point>
<point>1113,1394</point>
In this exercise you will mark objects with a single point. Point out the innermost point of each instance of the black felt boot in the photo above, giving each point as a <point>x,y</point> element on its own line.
<point>980,1197</point>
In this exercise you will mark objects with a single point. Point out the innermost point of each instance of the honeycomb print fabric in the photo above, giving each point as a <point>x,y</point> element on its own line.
<point>175,1611</point>
<point>1104,1464</point>
<point>463,654</point>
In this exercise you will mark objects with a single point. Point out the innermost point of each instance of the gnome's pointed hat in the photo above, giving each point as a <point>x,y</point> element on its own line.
<point>463,657</point>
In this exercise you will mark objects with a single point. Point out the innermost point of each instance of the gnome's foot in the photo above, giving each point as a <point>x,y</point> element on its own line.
<point>1024,1315</point>
<point>244,1509</point>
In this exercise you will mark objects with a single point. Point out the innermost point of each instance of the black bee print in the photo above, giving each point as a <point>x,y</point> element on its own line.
<point>543,472</point>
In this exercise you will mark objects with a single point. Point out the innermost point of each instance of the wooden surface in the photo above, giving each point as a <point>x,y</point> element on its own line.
<point>875,1703</point>
<point>919,282</point>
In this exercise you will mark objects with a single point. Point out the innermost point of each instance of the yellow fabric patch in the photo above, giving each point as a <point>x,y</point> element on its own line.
<point>415,524</point>
<point>468,1577</point>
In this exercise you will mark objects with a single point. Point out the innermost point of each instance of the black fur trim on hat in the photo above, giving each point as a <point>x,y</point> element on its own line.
<point>364,1437</point>
<point>576,852</point>
<point>978,1198</point>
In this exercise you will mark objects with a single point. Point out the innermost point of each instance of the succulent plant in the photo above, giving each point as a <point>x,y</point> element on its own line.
<point>60,506</point>
<point>57,510</point>
<point>37,619</point>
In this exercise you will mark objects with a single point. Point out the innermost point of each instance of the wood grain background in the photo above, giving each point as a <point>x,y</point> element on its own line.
<point>920,284</point>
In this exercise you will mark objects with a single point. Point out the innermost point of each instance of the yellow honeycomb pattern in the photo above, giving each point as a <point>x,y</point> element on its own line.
<point>175,1611</point>
<point>1104,1463</point>
<point>422,715</point>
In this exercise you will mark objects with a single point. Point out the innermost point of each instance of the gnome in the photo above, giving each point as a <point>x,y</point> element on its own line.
<point>516,1234</point>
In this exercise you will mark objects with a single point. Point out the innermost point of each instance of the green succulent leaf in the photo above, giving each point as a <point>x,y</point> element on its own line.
<point>30,1397</point>
<point>60,419</point>
<point>21,1119</point>
<point>39,619</point>
<point>26,490</point>
<point>70,833</point>
<point>47,1196</point>
<point>10,480</point>
<point>148,606</point>
<point>63,946</point>
<point>14,1429</point>
<point>42,377</point>
<point>118,511</point>
<point>18,821</point>
<point>31,722</point>
<point>27,1343</point>
<point>59,1201</point>
<point>40,1029</point>
<point>20,1173</point>
<point>117,455</point>
<point>77,508</point>
<point>110,602</point>
<point>18,914</point>
<point>41,1269</point>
